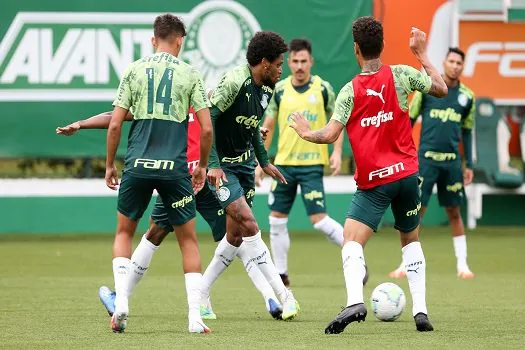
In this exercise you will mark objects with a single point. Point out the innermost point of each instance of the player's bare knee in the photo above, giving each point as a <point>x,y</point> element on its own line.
<point>315,218</point>
<point>453,213</point>
<point>234,237</point>
<point>156,234</point>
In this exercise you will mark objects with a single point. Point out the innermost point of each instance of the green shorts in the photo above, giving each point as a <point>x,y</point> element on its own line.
<point>448,175</point>
<point>369,206</point>
<point>241,182</point>
<point>310,178</point>
<point>207,205</point>
<point>177,195</point>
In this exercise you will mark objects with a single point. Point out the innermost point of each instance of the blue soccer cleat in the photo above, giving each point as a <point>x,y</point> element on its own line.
<point>274,308</point>
<point>107,297</point>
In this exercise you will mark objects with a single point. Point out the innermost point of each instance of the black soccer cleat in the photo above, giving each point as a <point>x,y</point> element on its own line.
<point>285,279</point>
<point>422,323</point>
<point>349,314</point>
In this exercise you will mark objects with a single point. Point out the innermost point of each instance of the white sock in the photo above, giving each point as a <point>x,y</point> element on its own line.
<point>120,274</point>
<point>460,248</point>
<point>354,271</point>
<point>332,229</point>
<point>280,243</point>
<point>140,261</point>
<point>257,277</point>
<point>193,285</point>
<point>415,268</point>
<point>258,251</point>
<point>223,257</point>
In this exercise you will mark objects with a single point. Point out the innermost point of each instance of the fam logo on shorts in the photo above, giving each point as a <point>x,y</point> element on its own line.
<point>218,38</point>
<point>223,194</point>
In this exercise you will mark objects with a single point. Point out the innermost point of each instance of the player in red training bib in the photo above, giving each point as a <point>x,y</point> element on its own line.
<point>374,109</point>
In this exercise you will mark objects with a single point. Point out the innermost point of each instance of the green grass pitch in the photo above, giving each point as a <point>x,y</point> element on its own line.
<point>48,296</point>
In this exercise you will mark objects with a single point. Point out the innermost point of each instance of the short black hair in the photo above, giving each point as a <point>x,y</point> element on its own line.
<point>368,34</point>
<point>296,45</point>
<point>456,50</point>
<point>167,25</point>
<point>267,45</point>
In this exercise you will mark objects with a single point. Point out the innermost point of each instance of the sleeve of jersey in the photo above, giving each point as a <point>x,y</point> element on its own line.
<point>415,105</point>
<point>412,79</point>
<point>123,98</point>
<point>468,122</point>
<point>330,98</point>
<point>260,150</point>
<point>344,104</point>
<point>199,99</point>
<point>213,158</point>
<point>225,93</point>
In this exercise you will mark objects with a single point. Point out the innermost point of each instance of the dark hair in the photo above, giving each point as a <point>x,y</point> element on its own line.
<point>267,45</point>
<point>296,45</point>
<point>456,50</point>
<point>167,25</point>
<point>368,34</point>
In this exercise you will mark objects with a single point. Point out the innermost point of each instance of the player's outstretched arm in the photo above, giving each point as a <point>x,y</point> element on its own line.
<point>328,134</point>
<point>206,139</point>
<point>99,121</point>
<point>418,45</point>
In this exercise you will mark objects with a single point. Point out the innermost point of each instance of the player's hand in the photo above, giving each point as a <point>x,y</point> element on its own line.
<point>68,130</point>
<point>198,179</point>
<point>418,42</point>
<point>272,171</point>
<point>300,124</point>
<point>259,176</point>
<point>112,177</point>
<point>468,176</point>
<point>335,163</point>
<point>264,133</point>
<point>216,176</point>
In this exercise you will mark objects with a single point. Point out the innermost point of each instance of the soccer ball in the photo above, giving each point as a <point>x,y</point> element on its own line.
<point>388,302</point>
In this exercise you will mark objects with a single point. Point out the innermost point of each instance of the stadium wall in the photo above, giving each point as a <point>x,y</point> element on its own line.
<point>89,207</point>
<point>61,60</point>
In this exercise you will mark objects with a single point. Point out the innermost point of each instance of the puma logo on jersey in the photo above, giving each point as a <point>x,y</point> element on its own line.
<point>370,92</point>
<point>376,120</point>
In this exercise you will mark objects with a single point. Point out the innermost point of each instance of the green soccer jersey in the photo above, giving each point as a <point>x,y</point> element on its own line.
<point>444,119</point>
<point>158,89</point>
<point>238,107</point>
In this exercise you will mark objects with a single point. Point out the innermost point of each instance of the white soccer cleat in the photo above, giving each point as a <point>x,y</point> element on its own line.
<point>198,326</point>
<point>465,274</point>
<point>290,307</point>
<point>120,316</point>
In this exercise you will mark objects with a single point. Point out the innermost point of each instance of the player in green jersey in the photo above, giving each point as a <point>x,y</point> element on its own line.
<point>158,89</point>
<point>207,205</point>
<point>446,122</point>
<point>238,105</point>
<point>301,162</point>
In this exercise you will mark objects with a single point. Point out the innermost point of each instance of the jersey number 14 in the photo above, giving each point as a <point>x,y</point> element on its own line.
<point>163,95</point>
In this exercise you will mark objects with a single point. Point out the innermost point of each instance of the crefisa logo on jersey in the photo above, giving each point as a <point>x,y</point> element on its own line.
<point>80,56</point>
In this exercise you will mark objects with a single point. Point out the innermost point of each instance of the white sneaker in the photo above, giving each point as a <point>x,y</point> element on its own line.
<point>120,316</point>
<point>290,307</point>
<point>197,326</point>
